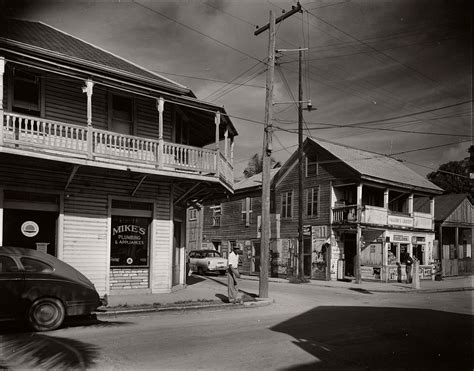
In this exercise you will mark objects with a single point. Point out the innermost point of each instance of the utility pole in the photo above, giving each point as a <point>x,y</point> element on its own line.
<point>267,150</point>
<point>300,172</point>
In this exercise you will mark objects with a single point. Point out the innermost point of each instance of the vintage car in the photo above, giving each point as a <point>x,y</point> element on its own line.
<point>43,290</point>
<point>205,261</point>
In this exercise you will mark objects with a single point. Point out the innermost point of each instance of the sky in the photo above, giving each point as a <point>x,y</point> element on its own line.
<point>395,75</point>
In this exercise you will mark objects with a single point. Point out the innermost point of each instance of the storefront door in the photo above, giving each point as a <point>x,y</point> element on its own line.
<point>255,260</point>
<point>350,248</point>
<point>30,229</point>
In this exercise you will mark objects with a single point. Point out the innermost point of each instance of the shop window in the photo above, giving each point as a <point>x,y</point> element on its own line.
<point>286,204</point>
<point>312,201</point>
<point>129,241</point>
<point>26,92</point>
<point>246,210</point>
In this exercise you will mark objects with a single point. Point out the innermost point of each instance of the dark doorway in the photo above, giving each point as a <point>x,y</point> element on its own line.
<point>38,227</point>
<point>350,248</point>
<point>307,257</point>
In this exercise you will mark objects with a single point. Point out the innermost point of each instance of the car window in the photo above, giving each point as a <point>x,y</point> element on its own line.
<point>7,264</point>
<point>33,265</point>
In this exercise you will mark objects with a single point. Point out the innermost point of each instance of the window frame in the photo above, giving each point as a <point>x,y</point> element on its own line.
<point>112,119</point>
<point>309,162</point>
<point>285,206</point>
<point>35,109</point>
<point>246,210</point>
<point>216,215</point>
<point>314,213</point>
<point>192,214</point>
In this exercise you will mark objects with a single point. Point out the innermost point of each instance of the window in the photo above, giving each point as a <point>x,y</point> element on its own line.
<point>33,265</point>
<point>312,167</point>
<point>129,241</point>
<point>216,215</point>
<point>7,265</point>
<point>122,114</point>
<point>312,201</point>
<point>26,93</point>
<point>246,210</point>
<point>192,214</point>
<point>286,204</point>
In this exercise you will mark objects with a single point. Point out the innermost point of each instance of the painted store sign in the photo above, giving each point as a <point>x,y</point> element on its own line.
<point>129,242</point>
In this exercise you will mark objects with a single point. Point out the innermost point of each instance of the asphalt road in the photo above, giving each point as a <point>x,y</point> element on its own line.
<point>306,328</point>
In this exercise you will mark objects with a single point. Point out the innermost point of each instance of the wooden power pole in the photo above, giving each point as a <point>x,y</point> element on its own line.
<point>267,150</point>
<point>300,172</point>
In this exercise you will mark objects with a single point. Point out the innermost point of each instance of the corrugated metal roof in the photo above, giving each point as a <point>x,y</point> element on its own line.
<point>45,37</point>
<point>377,166</point>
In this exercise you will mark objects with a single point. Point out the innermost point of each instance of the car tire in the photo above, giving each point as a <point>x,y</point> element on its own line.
<point>46,314</point>
<point>200,271</point>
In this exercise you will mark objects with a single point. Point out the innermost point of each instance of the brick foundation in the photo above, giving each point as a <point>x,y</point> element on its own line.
<point>129,278</point>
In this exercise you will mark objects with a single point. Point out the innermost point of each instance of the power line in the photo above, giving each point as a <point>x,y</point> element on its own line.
<point>198,32</point>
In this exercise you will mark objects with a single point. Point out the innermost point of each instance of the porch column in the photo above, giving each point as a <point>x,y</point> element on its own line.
<point>2,71</point>
<point>410,204</point>
<point>160,105</point>
<point>357,255</point>
<point>385,199</point>
<point>232,151</point>
<point>432,211</point>
<point>359,202</point>
<point>217,121</point>
<point>456,242</point>
<point>88,90</point>
<point>226,136</point>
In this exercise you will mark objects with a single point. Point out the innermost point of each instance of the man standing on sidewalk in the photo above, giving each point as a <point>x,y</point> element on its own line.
<point>232,276</point>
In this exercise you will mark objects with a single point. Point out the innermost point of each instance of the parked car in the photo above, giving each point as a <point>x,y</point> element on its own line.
<point>205,261</point>
<point>42,289</point>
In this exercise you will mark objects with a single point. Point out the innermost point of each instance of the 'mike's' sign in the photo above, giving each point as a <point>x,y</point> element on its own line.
<point>403,221</point>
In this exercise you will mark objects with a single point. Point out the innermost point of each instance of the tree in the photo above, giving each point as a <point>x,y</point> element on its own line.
<point>255,165</point>
<point>454,177</point>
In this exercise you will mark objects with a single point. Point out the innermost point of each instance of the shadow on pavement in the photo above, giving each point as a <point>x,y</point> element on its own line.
<point>363,291</point>
<point>382,338</point>
<point>34,350</point>
<point>193,279</point>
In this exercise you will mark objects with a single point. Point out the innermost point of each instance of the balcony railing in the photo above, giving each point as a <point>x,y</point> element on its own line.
<point>53,137</point>
<point>374,215</point>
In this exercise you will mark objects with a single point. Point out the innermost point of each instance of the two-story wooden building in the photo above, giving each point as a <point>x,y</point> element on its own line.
<point>358,217</point>
<point>99,159</point>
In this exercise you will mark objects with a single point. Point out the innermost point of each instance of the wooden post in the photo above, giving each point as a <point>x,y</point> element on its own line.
<point>161,107</point>
<point>266,159</point>
<point>88,89</point>
<point>300,173</point>
<point>357,256</point>
<point>2,71</point>
<point>232,151</point>
<point>410,204</point>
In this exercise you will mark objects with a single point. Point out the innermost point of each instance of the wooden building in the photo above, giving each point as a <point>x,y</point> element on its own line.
<point>100,158</point>
<point>454,226</point>
<point>359,216</point>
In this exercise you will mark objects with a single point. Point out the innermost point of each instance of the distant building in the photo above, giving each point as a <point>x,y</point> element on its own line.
<point>359,216</point>
<point>454,226</point>
<point>100,158</point>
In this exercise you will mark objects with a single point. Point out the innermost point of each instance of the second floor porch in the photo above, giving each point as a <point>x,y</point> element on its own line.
<point>61,141</point>
<point>382,206</point>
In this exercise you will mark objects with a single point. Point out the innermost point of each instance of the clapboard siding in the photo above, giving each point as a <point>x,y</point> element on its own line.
<point>64,100</point>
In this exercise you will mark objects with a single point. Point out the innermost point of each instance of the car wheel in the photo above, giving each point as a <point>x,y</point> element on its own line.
<point>46,314</point>
<point>200,271</point>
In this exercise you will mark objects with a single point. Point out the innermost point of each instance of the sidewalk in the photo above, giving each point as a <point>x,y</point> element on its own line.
<point>207,292</point>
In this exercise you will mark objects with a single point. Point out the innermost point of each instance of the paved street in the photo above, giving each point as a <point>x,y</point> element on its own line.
<point>307,327</point>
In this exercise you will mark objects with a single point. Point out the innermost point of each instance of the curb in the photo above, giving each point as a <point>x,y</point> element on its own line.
<point>170,308</point>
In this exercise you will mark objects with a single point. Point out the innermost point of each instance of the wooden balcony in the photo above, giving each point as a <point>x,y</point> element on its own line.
<point>62,140</point>
<point>373,215</point>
